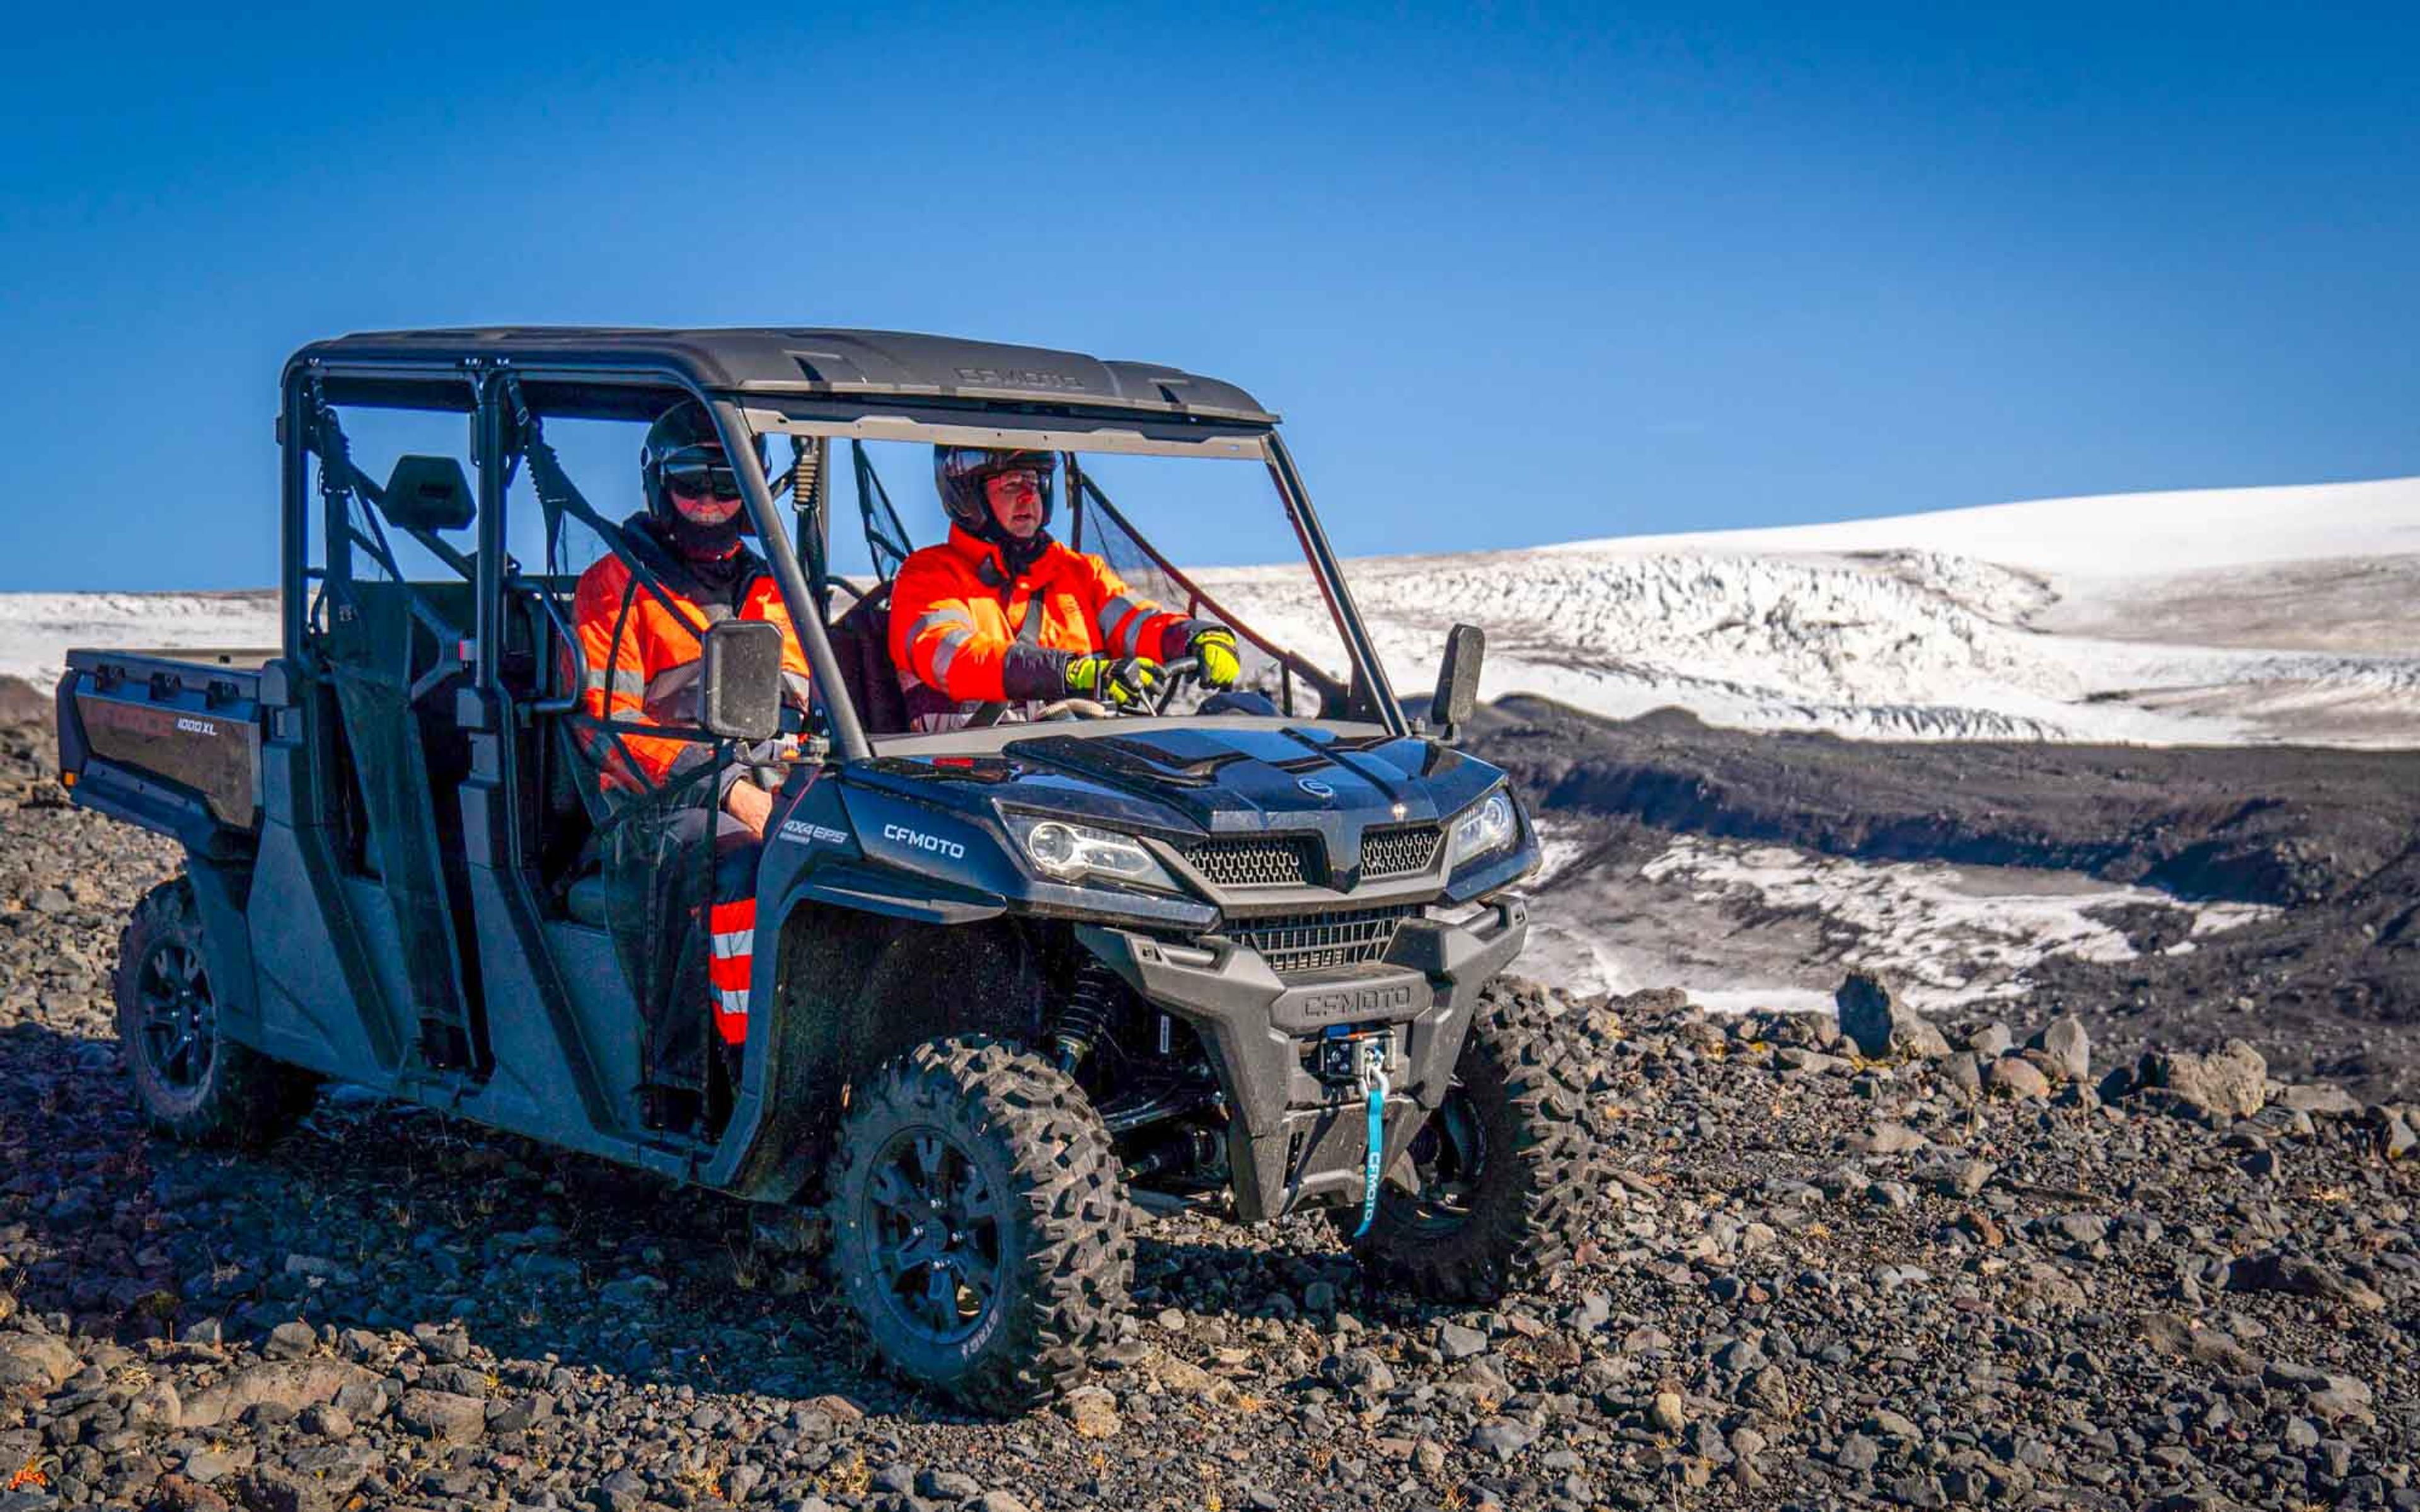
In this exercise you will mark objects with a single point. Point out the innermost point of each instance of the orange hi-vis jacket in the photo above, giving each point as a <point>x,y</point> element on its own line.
<point>642,661</point>
<point>964,633</point>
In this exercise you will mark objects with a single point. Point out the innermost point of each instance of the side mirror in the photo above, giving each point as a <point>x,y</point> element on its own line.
<point>427,493</point>
<point>739,680</point>
<point>1457,685</point>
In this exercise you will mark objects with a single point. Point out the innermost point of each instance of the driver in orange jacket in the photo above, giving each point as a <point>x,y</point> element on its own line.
<point>1001,613</point>
<point>640,664</point>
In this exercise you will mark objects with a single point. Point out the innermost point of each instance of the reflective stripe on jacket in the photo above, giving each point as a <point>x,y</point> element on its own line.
<point>640,663</point>
<point>959,634</point>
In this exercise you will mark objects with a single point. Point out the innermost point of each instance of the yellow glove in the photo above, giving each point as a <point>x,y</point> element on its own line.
<point>1215,649</point>
<point>1120,682</point>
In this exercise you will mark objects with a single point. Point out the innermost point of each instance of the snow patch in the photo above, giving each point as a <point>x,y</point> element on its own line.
<point>1741,926</point>
<point>36,629</point>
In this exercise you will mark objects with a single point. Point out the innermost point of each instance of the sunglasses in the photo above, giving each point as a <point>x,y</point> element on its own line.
<point>698,480</point>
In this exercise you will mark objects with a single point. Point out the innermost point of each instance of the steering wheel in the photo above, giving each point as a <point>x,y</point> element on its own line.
<point>1172,676</point>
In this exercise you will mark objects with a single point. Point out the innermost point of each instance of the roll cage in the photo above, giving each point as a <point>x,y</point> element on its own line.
<point>813,387</point>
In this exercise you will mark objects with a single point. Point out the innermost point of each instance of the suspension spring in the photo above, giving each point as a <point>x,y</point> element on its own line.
<point>1093,1003</point>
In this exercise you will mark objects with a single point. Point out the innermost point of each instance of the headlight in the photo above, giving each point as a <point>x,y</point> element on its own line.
<point>1067,851</point>
<point>1485,827</point>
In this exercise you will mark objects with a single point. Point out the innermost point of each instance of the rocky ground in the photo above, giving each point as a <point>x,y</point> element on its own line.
<point>1900,1266</point>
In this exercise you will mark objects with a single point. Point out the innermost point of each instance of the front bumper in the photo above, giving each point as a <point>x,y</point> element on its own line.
<point>1292,1139</point>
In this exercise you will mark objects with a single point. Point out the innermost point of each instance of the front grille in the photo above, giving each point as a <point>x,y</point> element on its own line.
<point>1295,943</point>
<point>1398,852</point>
<point>1258,861</point>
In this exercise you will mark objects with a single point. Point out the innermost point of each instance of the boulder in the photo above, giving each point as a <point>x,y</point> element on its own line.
<point>2016,1077</point>
<point>443,1415</point>
<point>1991,1042</point>
<point>1965,1073</point>
<point>2331,1395</point>
<point>182,1493</point>
<point>1871,1014</point>
<point>42,1361</point>
<point>2300,1276</point>
<point>290,1340</point>
<point>292,1384</point>
<point>2323,1100</point>
<point>2231,1082</point>
<point>2067,1047</point>
<point>157,1409</point>
<point>1455,1342</point>
<point>1810,1062</point>
<point>2395,1138</point>
<point>1667,1412</point>
<point>1503,1437</point>
<point>1093,1412</point>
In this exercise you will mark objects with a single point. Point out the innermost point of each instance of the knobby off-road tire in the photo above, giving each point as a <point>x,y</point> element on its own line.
<point>1506,1169</point>
<point>1001,1305</point>
<point>194,1084</point>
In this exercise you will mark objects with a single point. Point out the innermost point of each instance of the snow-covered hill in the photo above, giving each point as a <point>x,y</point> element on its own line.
<point>2235,615</point>
<point>2256,615</point>
<point>36,629</point>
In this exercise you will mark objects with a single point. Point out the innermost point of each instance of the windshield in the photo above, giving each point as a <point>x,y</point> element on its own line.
<point>1187,542</point>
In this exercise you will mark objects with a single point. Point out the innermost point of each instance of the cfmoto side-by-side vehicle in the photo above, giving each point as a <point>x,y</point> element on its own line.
<point>1007,979</point>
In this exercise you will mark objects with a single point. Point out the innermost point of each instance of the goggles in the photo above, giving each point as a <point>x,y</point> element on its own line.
<point>698,478</point>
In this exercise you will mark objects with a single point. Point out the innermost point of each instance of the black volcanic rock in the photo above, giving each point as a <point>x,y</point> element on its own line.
<point>2051,1303</point>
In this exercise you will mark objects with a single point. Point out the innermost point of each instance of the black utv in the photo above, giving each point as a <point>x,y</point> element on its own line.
<point>1009,979</point>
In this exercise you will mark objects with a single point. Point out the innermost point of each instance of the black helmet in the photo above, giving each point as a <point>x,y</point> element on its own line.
<point>959,473</point>
<point>683,434</point>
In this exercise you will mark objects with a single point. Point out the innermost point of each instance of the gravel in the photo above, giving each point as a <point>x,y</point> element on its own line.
<point>1815,1278</point>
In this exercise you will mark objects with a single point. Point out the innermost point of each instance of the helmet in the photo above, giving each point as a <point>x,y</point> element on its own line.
<point>959,473</point>
<point>683,437</point>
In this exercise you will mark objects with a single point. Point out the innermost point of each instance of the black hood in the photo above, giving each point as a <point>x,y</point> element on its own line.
<point>1218,778</point>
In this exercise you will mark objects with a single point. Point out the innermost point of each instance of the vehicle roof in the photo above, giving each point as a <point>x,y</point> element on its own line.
<point>769,362</point>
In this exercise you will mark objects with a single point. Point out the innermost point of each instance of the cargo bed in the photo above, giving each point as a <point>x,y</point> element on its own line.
<point>167,739</point>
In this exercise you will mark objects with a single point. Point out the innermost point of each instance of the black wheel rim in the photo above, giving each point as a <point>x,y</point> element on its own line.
<point>934,1221</point>
<point>1449,1161</point>
<point>179,1022</point>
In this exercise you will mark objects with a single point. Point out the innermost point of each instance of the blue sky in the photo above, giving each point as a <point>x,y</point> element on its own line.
<point>1514,276</point>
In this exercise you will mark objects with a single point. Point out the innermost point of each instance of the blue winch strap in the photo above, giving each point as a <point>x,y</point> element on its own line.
<point>1371,1163</point>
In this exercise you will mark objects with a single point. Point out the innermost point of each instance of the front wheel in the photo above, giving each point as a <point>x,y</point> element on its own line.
<point>195,1084</point>
<point>980,1225</point>
<point>1493,1194</point>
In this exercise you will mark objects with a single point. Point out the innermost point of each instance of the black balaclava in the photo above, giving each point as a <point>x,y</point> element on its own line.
<point>702,546</point>
<point>682,543</point>
<point>1019,556</point>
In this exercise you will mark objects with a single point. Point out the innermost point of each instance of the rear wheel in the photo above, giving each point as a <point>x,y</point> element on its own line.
<point>979,1225</point>
<point>194,1085</point>
<point>1493,1194</point>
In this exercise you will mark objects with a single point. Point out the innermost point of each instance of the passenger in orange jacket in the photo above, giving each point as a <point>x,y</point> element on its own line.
<point>642,661</point>
<point>1001,612</point>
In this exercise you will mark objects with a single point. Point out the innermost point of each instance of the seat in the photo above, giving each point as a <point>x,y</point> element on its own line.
<point>861,642</point>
